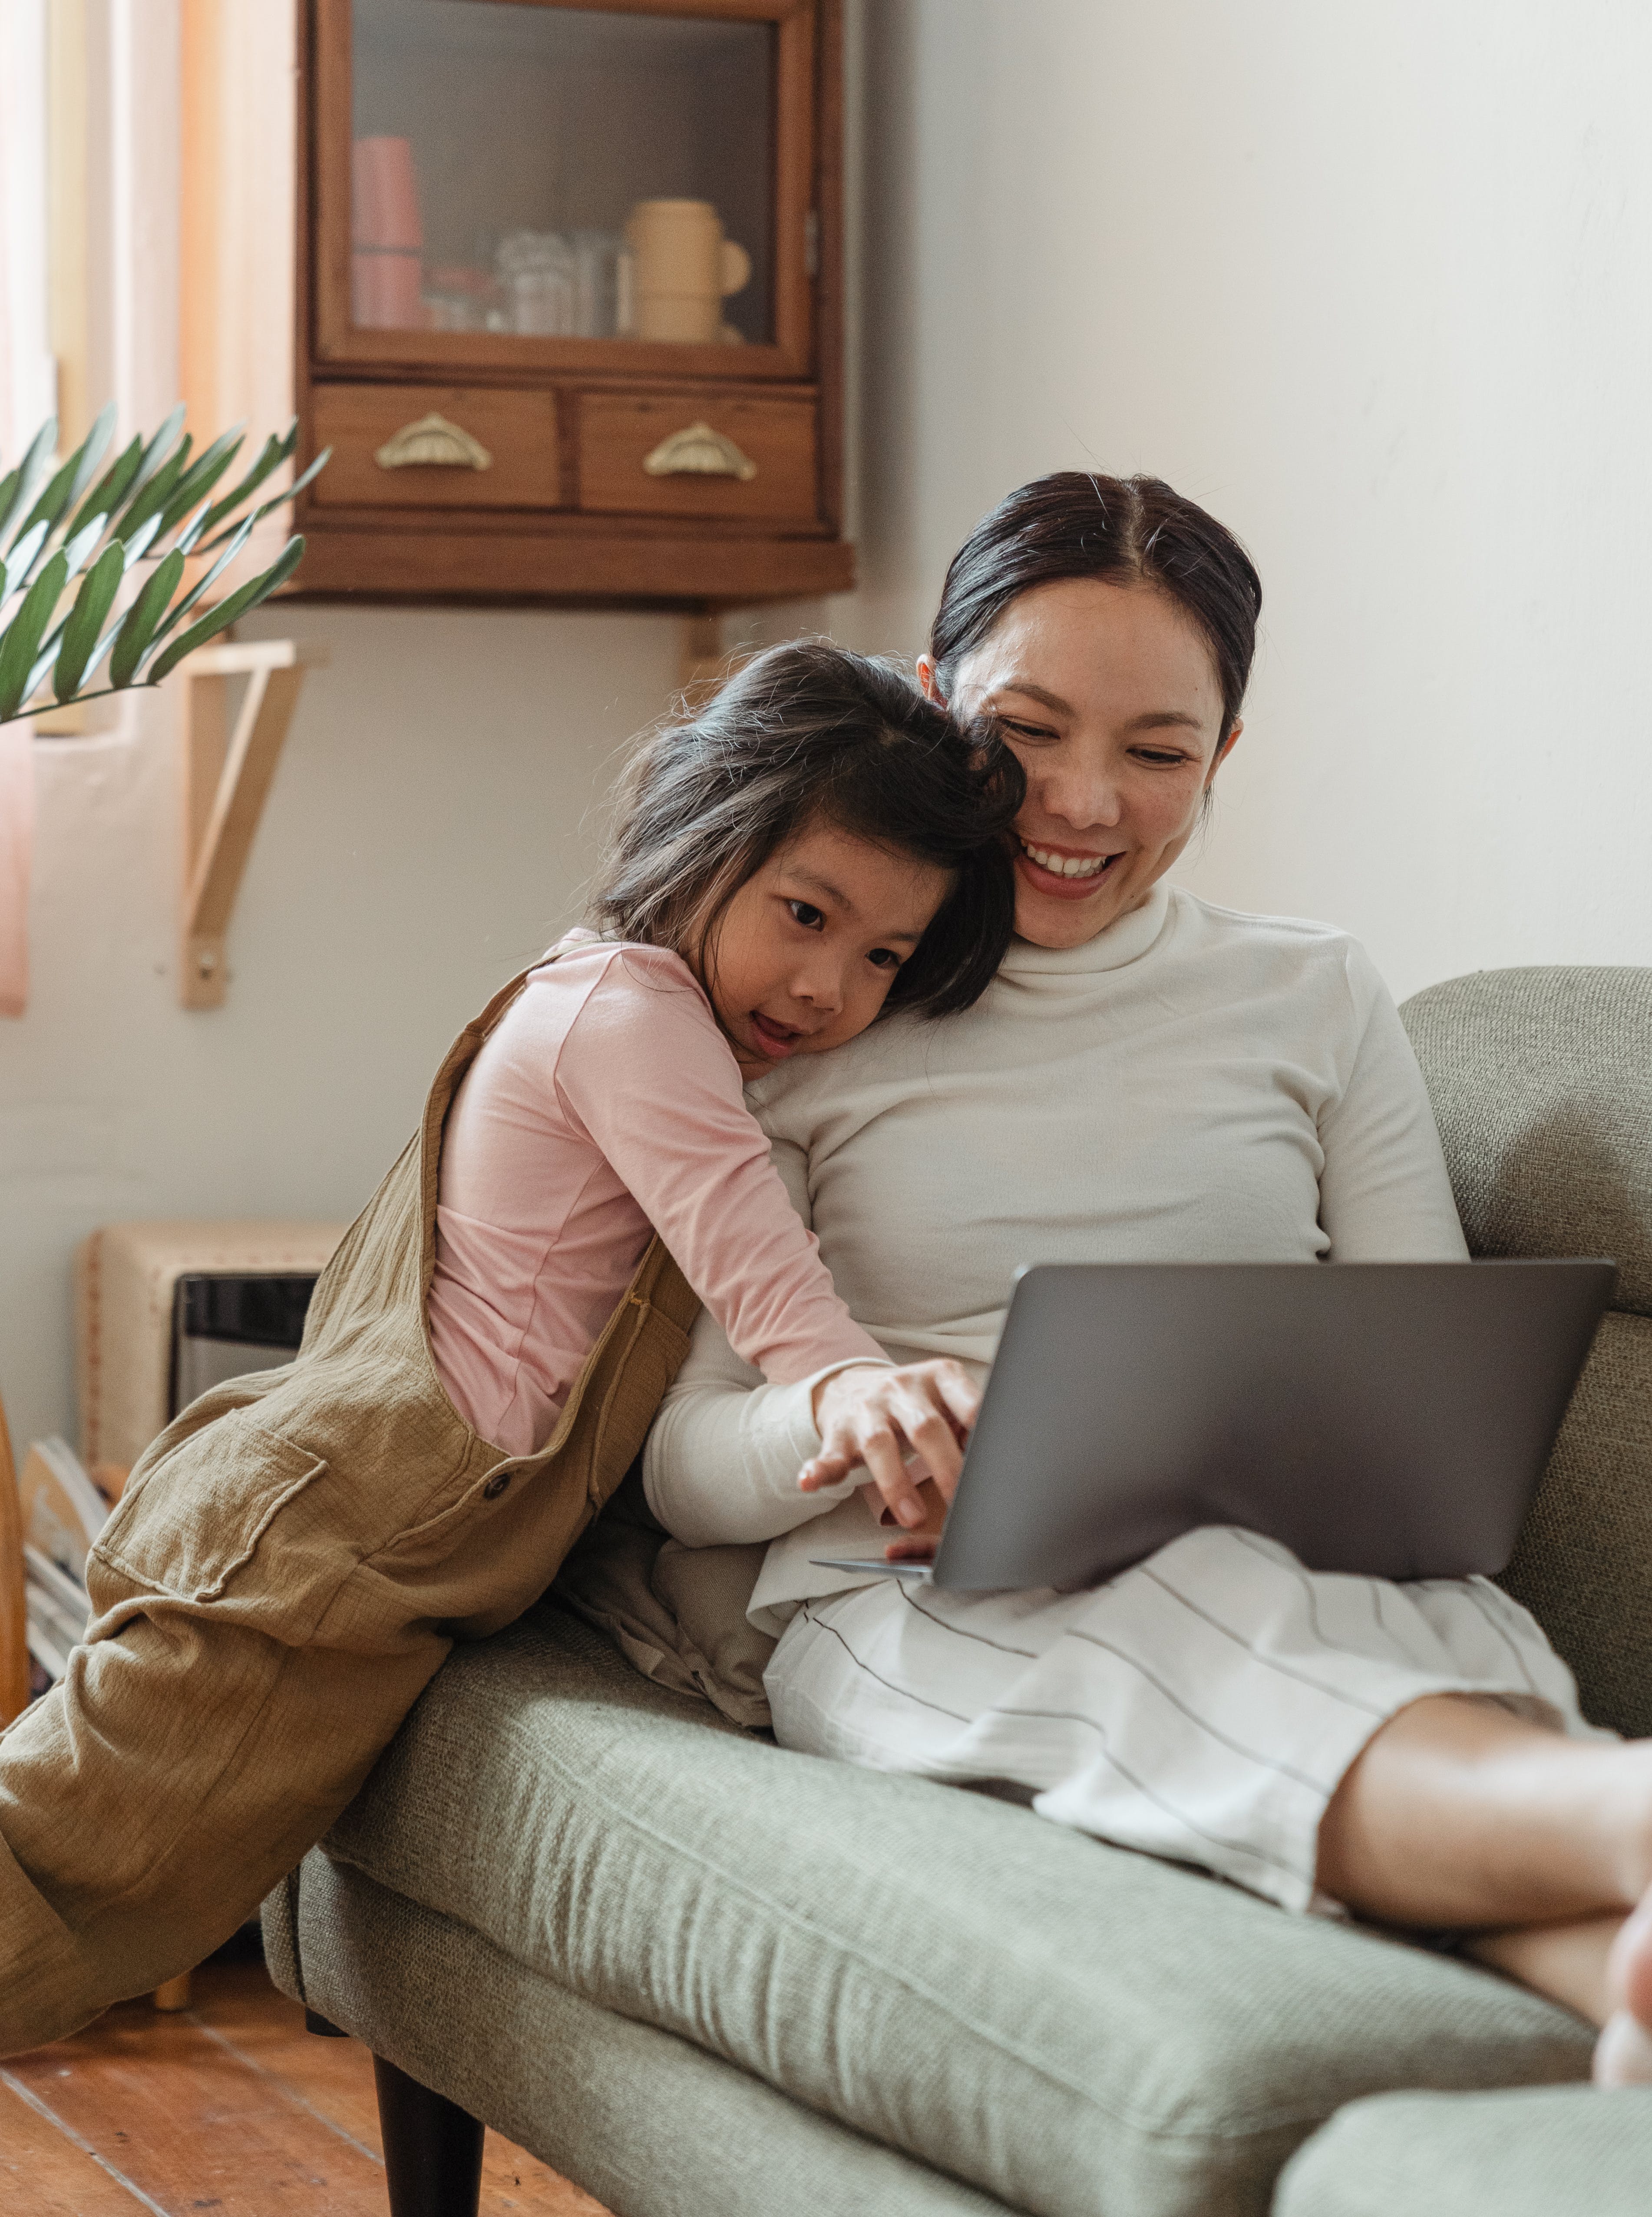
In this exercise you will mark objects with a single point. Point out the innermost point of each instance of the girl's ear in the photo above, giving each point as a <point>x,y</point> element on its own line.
<point>926,680</point>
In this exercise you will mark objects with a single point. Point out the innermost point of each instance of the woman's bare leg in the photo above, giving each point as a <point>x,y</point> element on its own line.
<point>1459,1815</point>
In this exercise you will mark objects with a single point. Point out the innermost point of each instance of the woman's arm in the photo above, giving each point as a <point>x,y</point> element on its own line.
<point>1384,1194</point>
<point>723,1460</point>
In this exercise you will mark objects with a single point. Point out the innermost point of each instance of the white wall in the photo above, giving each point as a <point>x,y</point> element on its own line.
<point>428,830</point>
<point>1372,282</point>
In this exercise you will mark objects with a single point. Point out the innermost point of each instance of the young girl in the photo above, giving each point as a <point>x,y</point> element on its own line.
<point>816,848</point>
<point>294,1557</point>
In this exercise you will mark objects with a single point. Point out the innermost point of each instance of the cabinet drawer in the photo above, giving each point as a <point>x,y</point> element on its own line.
<point>697,453</point>
<point>429,445</point>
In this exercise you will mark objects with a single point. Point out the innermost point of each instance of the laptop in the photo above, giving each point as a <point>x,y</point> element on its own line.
<point>1390,1419</point>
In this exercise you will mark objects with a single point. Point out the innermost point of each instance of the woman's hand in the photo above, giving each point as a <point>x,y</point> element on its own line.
<point>879,1417</point>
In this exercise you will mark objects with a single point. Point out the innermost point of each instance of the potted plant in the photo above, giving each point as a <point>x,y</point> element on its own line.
<point>67,545</point>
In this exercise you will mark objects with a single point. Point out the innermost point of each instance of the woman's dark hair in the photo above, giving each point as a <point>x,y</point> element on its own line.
<point>803,734</point>
<point>1122,530</point>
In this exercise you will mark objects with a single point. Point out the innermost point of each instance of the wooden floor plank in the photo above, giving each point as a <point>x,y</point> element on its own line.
<point>44,2174</point>
<point>192,2126</point>
<point>230,2106</point>
<point>335,2077</point>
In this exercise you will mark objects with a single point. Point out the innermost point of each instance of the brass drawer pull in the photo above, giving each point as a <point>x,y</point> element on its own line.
<point>699,452</point>
<point>432,443</point>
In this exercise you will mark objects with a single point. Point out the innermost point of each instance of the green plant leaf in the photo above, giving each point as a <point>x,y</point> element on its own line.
<point>112,488</point>
<point>78,548</point>
<point>22,559</point>
<point>45,658</point>
<point>175,615</point>
<point>201,476</point>
<point>138,545</point>
<point>70,480</point>
<point>151,498</point>
<point>279,500</point>
<point>23,634</point>
<point>185,541</point>
<point>92,450</point>
<point>276,448</point>
<point>158,448</point>
<point>30,471</point>
<point>92,605</point>
<point>142,617</point>
<point>229,611</point>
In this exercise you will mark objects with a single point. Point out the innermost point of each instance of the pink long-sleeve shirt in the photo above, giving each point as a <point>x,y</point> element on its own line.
<point>606,1106</point>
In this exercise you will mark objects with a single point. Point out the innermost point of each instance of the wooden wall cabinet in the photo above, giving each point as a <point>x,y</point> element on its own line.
<point>499,216</point>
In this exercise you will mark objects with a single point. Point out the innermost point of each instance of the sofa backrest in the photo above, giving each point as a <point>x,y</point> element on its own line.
<point>1542,1086</point>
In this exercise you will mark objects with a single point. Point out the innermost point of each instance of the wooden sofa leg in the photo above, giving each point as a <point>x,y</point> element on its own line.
<point>432,2148</point>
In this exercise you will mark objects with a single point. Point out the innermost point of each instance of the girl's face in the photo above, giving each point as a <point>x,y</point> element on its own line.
<point>1108,695</point>
<point>806,951</point>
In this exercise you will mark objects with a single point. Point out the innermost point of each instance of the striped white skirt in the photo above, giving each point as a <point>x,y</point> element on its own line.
<point>1202,1706</point>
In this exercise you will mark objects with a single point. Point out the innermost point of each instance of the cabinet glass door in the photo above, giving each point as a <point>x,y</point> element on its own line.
<point>526,179</point>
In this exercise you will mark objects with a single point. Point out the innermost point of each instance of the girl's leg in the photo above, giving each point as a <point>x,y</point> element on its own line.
<point>149,1803</point>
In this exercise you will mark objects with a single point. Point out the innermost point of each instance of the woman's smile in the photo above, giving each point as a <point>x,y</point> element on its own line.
<point>1066,872</point>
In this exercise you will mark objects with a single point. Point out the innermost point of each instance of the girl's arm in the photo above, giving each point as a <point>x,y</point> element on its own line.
<point>649,1079</point>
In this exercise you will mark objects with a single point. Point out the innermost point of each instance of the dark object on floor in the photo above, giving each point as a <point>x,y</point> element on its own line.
<point>432,2148</point>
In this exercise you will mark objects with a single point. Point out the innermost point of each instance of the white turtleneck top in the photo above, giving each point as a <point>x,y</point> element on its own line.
<point>1192,1085</point>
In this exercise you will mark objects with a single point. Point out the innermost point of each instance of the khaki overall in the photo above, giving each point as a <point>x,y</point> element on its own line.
<point>291,1562</point>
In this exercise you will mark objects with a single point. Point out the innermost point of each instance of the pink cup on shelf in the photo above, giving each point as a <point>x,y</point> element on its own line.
<point>388,261</point>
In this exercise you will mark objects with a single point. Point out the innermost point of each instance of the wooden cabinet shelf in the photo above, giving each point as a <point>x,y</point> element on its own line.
<point>564,288</point>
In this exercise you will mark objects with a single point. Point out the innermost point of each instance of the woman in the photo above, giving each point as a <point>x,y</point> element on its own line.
<point>1149,1078</point>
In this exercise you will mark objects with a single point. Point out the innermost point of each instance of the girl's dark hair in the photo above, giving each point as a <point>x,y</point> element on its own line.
<point>1124,530</point>
<point>804,733</point>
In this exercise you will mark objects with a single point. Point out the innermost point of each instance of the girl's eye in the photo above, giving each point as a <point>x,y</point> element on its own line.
<point>886,958</point>
<point>806,914</point>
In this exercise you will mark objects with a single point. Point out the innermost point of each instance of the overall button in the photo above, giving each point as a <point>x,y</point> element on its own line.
<point>496,1485</point>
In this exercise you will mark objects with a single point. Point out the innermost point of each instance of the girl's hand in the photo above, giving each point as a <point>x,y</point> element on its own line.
<point>879,1417</point>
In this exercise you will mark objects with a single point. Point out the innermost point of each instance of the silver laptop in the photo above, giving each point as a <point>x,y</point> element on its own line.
<point>1391,1419</point>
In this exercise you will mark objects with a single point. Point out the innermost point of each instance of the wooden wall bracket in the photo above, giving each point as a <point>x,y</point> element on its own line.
<point>226,778</point>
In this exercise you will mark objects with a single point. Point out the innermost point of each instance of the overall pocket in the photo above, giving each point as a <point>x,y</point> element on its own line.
<point>231,1517</point>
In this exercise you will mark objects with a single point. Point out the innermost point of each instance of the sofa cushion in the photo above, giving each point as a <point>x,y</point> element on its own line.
<point>649,2123</point>
<point>1583,1566</point>
<point>1073,2029</point>
<point>1542,1086</point>
<point>1538,2154</point>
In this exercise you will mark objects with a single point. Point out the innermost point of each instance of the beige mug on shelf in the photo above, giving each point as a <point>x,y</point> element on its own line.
<point>682,269</point>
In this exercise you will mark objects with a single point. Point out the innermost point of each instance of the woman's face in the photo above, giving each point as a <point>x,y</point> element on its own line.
<point>1108,695</point>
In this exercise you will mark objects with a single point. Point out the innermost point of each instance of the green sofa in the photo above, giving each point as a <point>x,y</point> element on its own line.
<point>707,1977</point>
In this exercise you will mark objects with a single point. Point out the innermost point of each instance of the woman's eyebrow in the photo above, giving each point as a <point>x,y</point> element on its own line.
<point>1159,719</point>
<point>1035,693</point>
